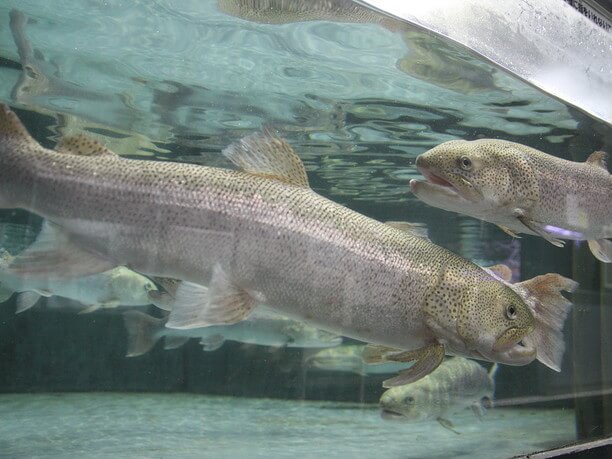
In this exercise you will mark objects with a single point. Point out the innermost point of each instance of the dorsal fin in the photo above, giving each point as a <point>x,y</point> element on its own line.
<point>268,156</point>
<point>11,129</point>
<point>599,159</point>
<point>414,229</point>
<point>82,145</point>
<point>502,271</point>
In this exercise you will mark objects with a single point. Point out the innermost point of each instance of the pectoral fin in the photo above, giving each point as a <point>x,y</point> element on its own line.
<point>374,354</point>
<point>508,231</point>
<point>478,410</point>
<point>537,228</point>
<point>447,425</point>
<point>426,360</point>
<point>53,255</point>
<point>601,249</point>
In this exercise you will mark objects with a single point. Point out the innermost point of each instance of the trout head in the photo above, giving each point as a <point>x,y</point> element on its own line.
<point>130,287</point>
<point>481,178</point>
<point>410,402</point>
<point>476,315</point>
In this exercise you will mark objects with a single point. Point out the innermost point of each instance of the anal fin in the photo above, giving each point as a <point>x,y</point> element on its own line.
<point>223,303</point>
<point>54,256</point>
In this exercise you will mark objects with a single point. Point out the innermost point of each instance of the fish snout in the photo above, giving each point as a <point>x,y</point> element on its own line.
<point>420,161</point>
<point>386,400</point>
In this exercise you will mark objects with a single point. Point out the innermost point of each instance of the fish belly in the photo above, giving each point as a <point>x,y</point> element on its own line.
<point>293,249</point>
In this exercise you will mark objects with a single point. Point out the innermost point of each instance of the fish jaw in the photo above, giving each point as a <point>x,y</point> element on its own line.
<point>455,195</point>
<point>390,415</point>
<point>517,354</point>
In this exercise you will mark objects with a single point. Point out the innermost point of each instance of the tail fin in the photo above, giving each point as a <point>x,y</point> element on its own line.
<point>142,332</point>
<point>550,309</point>
<point>602,249</point>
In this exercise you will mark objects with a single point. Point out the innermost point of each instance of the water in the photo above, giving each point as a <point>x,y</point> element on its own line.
<point>359,98</point>
<point>179,425</point>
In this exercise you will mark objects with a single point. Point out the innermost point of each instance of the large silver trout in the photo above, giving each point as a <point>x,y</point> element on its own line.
<point>522,190</point>
<point>261,235</point>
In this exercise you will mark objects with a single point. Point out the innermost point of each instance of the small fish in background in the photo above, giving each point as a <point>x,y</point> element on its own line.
<point>456,384</point>
<point>522,190</point>
<point>263,327</point>
<point>348,359</point>
<point>118,287</point>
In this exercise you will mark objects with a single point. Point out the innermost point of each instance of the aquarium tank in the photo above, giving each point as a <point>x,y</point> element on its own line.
<point>276,228</point>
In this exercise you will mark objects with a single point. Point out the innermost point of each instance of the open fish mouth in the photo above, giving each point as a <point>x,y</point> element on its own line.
<point>435,179</point>
<point>519,353</point>
<point>390,415</point>
<point>434,185</point>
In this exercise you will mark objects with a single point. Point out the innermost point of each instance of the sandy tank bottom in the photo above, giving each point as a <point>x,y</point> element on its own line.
<point>105,425</point>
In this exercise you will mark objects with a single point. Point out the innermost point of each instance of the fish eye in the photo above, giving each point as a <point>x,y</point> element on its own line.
<point>409,399</point>
<point>511,312</point>
<point>465,163</point>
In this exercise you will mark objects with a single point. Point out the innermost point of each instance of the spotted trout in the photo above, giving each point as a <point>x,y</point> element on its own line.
<point>522,190</point>
<point>262,235</point>
<point>456,384</point>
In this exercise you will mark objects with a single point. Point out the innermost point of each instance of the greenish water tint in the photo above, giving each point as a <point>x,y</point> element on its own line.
<point>358,97</point>
<point>189,426</point>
